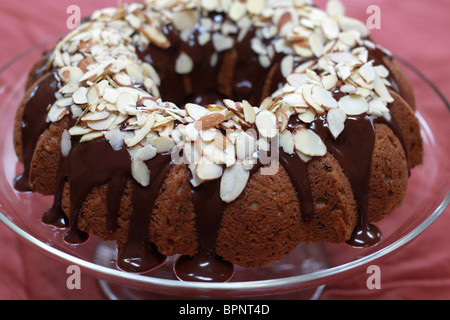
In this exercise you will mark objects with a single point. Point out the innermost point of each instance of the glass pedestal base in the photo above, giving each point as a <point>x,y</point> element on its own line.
<point>304,259</point>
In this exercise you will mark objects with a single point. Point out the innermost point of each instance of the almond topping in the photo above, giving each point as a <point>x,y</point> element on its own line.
<point>233,182</point>
<point>309,143</point>
<point>209,121</point>
<point>353,104</point>
<point>140,172</point>
<point>267,124</point>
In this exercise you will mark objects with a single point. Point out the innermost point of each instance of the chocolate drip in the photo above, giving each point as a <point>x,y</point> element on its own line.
<point>297,170</point>
<point>94,164</point>
<point>353,150</point>
<point>89,165</point>
<point>206,265</point>
<point>138,254</point>
<point>34,122</point>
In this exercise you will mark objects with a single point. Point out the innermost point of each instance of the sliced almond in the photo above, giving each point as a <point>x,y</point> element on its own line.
<point>79,131</point>
<point>208,170</point>
<point>249,112</point>
<point>191,154</point>
<point>349,38</point>
<point>233,107</point>
<point>316,45</point>
<point>190,132</point>
<point>367,72</point>
<point>220,141</point>
<point>91,136</point>
<point>245,145</point>
<point>324,98</point>
<point>163,144</point>
<point>308,142</point>
<point>185,19</point>
<point>66,143</point>
<point>209,134</point>
<point>347,23</point>
<point>140,172</point>
<point>122,79</point>
<point>237,10</point>
<point>95,116</point>
<point>308,116</point>
<point>221,42</point>
<point>308,96</point>
<point>195,111</point>
<point>184,64</point>
<point>287,65</point>
<point>335,121</point>
<point>304,157</point>
<point>103,124</point>
<point>141,133</point>
<point>213,153</point>
<point>114,137</point>
<point>287,141</point>
<point>330,28</point>
<point>124,101</point>
<point>85,63</point>
<point>111,95</point>
<point>377,107</point>
<point>297,79</point>
<point>267,123</point>
<point>335,8</point>
<point>233,182</point>
<point>353,104</point>
<point>256,6</point>
<point>80,96</point>
<point>70,75</point>
<point>210,120</point>
<point>65,102</point>
<point>295,100</point>
<point>155,36</point>
<point>93,95</point>
<point>381,90</point>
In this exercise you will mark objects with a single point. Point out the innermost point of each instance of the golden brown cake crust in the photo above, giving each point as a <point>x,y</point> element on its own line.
<point>389,174</point>
<point>409,129</point>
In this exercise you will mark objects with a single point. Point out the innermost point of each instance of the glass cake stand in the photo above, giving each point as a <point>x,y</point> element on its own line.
<point>300,275</point>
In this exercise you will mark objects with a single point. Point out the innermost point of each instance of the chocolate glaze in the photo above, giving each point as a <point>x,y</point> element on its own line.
<point>37,100</point>
<point>355,158</point>
<point>297,170</point>
<point>95,163</point>
<point>232,76</point>
<point>138,255</point>
<point>206,265</point>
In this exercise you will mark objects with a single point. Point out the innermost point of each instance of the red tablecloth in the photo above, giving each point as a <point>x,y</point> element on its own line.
<point>416,30</point>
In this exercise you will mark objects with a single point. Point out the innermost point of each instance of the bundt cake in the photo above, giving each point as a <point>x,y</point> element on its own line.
<point>225,132</point>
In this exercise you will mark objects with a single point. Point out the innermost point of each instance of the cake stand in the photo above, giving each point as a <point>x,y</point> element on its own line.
<point>300,275</point>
